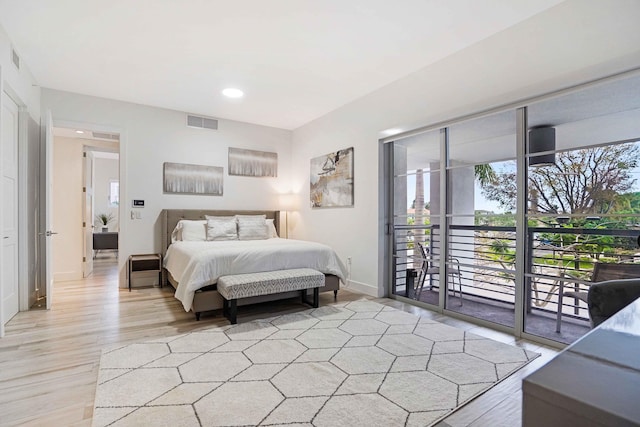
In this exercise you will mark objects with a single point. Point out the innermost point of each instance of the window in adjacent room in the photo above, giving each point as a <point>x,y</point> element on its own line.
<point>114,193</point>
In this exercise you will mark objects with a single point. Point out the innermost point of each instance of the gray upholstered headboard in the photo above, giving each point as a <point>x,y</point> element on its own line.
<point>170,217</point>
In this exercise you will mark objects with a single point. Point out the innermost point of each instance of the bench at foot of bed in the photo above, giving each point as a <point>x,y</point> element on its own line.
<point>239,286</point>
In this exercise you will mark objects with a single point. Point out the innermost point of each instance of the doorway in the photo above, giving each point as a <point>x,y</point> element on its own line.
<point>102,200</point>
<point>85,190</point>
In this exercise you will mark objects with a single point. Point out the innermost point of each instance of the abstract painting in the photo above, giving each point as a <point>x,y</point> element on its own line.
<point>252,163</point>
<point>331,180</point>
<point>193,179</point>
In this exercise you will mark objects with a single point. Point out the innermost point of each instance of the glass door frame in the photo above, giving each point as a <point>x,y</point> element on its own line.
<point>389,266</point>
<point>522,279</point>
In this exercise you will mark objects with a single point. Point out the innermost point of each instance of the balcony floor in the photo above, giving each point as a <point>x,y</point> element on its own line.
<point>537,323</point>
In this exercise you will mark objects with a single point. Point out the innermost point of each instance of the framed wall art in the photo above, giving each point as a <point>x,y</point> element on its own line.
<point>183,178</point>
<point>331,179</point>
<point>252,163</point>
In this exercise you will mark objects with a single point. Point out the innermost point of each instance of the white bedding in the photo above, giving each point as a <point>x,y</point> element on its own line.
<point>198,264</point>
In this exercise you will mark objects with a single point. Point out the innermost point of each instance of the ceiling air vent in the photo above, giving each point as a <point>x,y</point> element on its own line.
<point>201,122</point>
<point>15,58</point>
<point>109,136</point>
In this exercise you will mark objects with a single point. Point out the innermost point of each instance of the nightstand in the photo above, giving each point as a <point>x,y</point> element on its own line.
<point>145,270</point>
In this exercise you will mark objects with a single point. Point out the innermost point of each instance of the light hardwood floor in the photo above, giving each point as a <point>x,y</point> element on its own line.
<point>49,359</point>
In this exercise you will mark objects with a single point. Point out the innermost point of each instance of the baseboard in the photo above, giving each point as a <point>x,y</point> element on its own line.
<point>361,288</point>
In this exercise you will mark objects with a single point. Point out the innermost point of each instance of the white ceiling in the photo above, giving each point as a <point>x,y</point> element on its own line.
<point>296,60</point>
<point>86,134</point>
<point>601,113</point>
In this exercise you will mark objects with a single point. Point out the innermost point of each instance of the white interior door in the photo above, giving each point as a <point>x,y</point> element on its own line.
<point>9,156</point>
<point>48,207</point>
<point>87,222</point>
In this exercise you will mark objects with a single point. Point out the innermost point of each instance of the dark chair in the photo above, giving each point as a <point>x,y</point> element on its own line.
<point>427,269</point>
<point>607,298</point>
<point>602,272</point>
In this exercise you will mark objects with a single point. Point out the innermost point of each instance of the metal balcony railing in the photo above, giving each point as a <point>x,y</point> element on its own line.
<point>485,256</point>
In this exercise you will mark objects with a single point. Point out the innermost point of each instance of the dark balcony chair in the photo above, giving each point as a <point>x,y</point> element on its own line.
<point>427,269</point>
<point>607,298</point>
<point>603,273</point>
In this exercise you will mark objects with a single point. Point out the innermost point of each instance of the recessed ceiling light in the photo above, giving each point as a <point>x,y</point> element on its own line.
<point>79,131</point>
<point>391,131</point>
<point>232,92</point>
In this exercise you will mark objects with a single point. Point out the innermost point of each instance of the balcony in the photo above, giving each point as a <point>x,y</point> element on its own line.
<point>482,264</point>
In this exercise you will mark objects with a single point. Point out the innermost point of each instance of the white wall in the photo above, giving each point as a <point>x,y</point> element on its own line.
<point>104,171</point>
<point>574,42</point>
<point>151,136</point>
<point>20,82</point>
<point>21,86</point>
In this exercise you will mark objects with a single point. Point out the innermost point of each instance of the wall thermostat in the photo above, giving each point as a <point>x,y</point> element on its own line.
<point>138,203</point>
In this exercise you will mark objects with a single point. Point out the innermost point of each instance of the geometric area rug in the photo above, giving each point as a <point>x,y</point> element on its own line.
<point>354,364</point>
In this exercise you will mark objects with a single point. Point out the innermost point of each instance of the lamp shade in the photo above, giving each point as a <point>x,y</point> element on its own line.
<point>288,202</point>
<point>541,140</point>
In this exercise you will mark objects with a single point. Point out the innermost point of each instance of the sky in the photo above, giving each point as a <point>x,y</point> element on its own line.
<point>481,203</point>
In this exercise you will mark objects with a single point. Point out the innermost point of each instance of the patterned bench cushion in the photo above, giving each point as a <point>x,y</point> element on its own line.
<point>268,282</point>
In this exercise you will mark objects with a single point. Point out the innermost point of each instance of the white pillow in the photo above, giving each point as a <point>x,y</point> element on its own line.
<point>222,228</point>
<point>252,227</point>
<point>176,233</point>
<point>271,229</point>
<point>192,231</point>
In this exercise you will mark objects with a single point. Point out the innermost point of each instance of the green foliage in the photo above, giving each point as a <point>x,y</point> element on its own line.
<point>585,181</point>
<point>426,205</point>
<point>502,253</point>
<point>592,181</point>
<point>105,219</point>
<point>412,233</point>
<point>486,218</point>
<point>485,174</point>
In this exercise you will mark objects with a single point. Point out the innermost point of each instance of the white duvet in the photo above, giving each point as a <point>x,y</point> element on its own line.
<point>198,264</point>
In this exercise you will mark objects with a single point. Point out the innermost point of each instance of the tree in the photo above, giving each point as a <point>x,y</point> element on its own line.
<point>628,203</point>
<point>585,181</point>
<point>485,174</point>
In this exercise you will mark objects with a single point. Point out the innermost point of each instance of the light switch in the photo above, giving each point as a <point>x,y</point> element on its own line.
<point>138,215</point>
<point>133,215</point>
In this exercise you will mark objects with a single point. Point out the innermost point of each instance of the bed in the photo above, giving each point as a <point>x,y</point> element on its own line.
<point>193,267</point>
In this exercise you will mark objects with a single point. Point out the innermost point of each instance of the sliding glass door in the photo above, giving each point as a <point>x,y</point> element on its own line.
<point>416,217</point>
<point>583,202</point>
<point>481,218</point>
<point>509,217</point>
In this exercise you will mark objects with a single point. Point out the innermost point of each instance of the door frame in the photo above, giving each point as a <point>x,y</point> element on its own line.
<point>23,212</point>
<point>122,209</point>
<point>23,231</point>
<point>87,247</point>
<point>1,214</point>
<point>13,144</point>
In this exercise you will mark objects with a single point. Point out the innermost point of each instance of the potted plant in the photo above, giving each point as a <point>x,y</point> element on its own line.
<point>104,219</point>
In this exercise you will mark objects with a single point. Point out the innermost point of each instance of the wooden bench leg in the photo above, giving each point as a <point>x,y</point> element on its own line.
<point>233,311</point>
<point>197,316</point>
<point>315,301</point>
